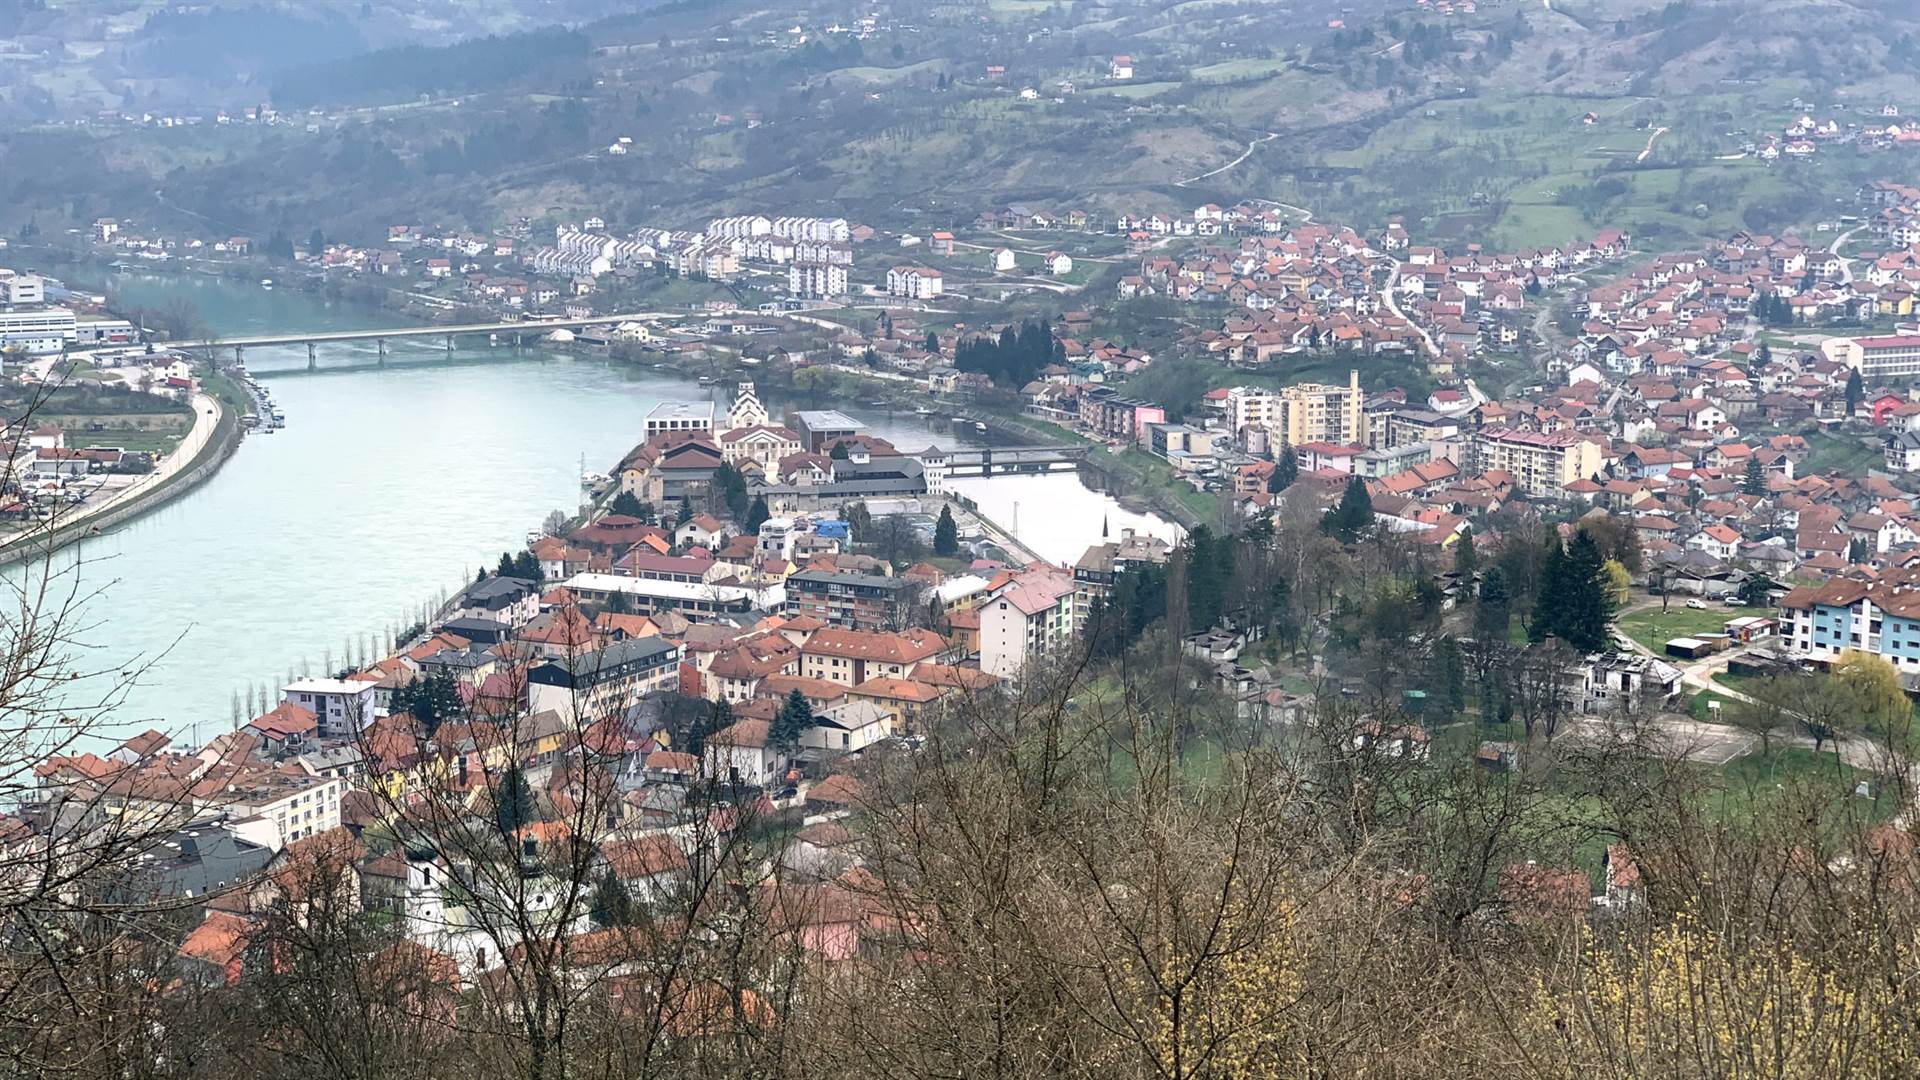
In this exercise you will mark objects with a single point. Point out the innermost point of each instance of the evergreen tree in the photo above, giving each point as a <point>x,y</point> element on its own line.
<point>946,534</point>
<point>505,569</point>
<point>795,716</point>
<point>1762,356</point>
<point>1466,560</point>
<point>757,515</point>
<point>1286,469</point>
<point>839,452</point>
<point>729,489</point>
<point>1495,607</point>
<point>1549,597</point>
<point>1855,392</point>
<point>316,242</point>
<point>513,804</point>
<point>1446,680</point>
<point>431,701</point>
<point>280,246</point>
<point>611,905</point>
<point>627,503</point>
<point>1755,482</point>
<point>1586,609</point>
<point>1353,516</point>
<point>933,343</point>
<point>686,512</point>
<point>719,717</point>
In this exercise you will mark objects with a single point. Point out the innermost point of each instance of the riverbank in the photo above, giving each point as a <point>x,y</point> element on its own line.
<point>205,453</point>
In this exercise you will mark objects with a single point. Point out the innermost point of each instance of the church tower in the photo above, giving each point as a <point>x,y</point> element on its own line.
<point>747,410</point>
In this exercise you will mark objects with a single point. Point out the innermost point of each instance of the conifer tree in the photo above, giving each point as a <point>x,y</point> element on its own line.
<point>1286,469</point>
<point>946,534</point>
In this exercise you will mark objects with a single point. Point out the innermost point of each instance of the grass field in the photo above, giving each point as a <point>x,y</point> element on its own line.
<point>1653,628</point>
<point>1229,70</point>
<point>1845,453</point>
<point>153,442</point>
<point>1135,90</point>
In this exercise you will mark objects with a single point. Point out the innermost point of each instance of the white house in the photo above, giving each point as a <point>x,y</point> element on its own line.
<point>849,726</point>
<point>1058,262</point>
<point>740,754</point>
<point>1004,260</point>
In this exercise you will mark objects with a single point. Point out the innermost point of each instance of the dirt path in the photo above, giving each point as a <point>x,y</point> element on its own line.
<point>1648,149</point>
<point>1244,155</point>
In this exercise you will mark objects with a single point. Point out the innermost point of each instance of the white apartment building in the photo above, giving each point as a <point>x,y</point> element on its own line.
<point>915,282</point>
<point>18,290</point>
<point>342,706</point>
<point>816,280</point>
<point>1029,618</point>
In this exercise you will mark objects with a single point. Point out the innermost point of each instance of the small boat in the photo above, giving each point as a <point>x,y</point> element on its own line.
<point>266,283</point>
<point>978,426</point>
<point>922,410</point>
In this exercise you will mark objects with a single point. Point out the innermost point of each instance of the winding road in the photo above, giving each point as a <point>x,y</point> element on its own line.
<point>1244,155</point>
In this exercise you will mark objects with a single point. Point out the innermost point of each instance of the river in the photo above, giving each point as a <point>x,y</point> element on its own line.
<point>388,489</point>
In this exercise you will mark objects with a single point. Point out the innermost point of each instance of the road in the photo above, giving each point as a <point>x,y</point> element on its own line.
<point>206,417</point>
<point>1244,155</point>
<point>1846,264</point>
<point>1389,296</point>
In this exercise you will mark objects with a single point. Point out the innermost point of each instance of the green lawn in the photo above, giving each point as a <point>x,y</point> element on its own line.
<point>1843,452</point>
<point>1653,628</point>
<point>1238,69</point>
<point>1755,782</point>
<point>153,442</point>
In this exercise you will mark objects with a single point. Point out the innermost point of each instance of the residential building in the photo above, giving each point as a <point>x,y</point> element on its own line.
<point>1896,356</point>
<point>1026,620</point>
<point>1542,463</point>
<point>851,657</point>
<point>852,601</point>
<point>341,707</point>
<point>816,280</point>
<point>1094,574</point>
<point>914,282</point>
<point>605,683</point>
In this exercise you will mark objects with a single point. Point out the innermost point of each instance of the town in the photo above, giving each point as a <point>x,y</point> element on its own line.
<point>1122,540</point>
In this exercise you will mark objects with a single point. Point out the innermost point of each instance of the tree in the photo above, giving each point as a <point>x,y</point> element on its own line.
<point>629,504</point>
<point>279,246</point>
<point>859,520</point>
<point>1587,610</point>
<point>1756,591</point>
<point>1466,560</point>
<point>933,343</point>
<point>1616,584</point>
<point>757,515</point>
<point>946,534</point>
<point>1855,392</point>
<point>1353,516</point>
<point>431,700</point>
<point>1755,481</point>
<point>686,512</point>
<point>1286,469</point>
<point>839,451</point>
<point>1763,355</point>
<point>1872,686</point>
<point>513,804</point>
<point>611,905</point>
<point>1549,596</point>
<point>316,242</point>
<point>1495,608</point>
<point>728,491</point>
<point>795,717</point>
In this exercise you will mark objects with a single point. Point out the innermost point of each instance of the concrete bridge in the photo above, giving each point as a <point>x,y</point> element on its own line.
<point>239,343</point>
<point>1014,459</point>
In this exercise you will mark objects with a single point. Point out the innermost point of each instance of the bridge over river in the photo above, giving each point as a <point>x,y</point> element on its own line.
<point>312,339</point>
<point>1014,459</point>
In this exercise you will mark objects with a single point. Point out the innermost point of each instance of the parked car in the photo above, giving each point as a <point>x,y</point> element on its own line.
<point>1697,604</point>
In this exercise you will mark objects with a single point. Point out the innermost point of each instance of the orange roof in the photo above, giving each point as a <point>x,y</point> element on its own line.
<point>888,689</point>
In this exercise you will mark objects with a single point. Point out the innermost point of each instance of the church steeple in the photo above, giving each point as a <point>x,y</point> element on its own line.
<point>747,410</point>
